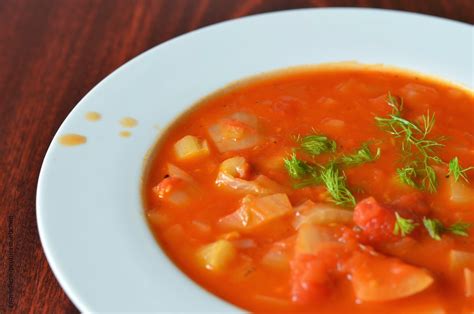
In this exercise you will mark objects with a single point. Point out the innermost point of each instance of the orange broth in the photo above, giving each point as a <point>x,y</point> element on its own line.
<point>340,103</point>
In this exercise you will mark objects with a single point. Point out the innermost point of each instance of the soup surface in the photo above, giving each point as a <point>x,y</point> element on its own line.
<point>328,190</point>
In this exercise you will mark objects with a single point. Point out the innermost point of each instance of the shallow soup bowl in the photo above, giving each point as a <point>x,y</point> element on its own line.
<point>89,199</point>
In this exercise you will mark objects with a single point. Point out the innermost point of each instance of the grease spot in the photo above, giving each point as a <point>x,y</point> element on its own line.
<point>72,139</point>
<point>93,116</point>
<point>128,122</point>
<point>125,133</point>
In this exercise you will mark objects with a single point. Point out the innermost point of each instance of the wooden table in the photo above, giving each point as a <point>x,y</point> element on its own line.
<point>52,52</point>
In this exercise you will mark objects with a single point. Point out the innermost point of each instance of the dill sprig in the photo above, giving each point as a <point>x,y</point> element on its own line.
<point>328,175</point>
<point>415,145</point>
<point>460,229</point>
<point>336,184</point>
<point>362,155</point>
<point>316,144</point>
<point>296,168</point>
<point>436,228</point>
<point>457,171</point>
<point>403,226</point>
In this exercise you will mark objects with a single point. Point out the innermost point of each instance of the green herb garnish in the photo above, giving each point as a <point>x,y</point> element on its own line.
<point>408,175</point>
<point>457,171</point>
<point>435,228</point>
<point>296,168</point>
<point>416,147</point>
<point>460,229</point>
<point>361,156</point>
<point>403,226</point>
<point>336,183</point>
<point>316,144</point>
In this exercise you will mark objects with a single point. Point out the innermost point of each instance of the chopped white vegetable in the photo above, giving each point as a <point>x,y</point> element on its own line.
<point>236,167</point>
<point>312,238</point>
<point>179,188</point>
<point>321,213</point>
<point>239,131</point>
<point>176,172</point>
<point>261,185</point>
<point>278,256</point>
<point>256,211</point>
<point>190,147</point>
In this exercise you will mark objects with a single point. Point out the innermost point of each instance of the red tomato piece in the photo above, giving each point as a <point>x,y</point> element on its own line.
<point>376,221</point>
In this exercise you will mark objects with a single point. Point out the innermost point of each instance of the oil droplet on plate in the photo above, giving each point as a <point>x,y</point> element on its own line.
<point>128,122</point>
<point>72,139</point>
<point>125,133</point>
<point>93,116</point>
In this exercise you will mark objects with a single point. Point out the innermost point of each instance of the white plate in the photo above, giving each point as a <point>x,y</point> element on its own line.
<point>89,209</point>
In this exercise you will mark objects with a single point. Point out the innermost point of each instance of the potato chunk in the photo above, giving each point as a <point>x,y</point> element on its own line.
<point>190,147</point>
<point>217,255</point>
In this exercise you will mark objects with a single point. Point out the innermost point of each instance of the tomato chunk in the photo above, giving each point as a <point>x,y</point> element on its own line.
<point>311,277</point>
<point>376,221</point>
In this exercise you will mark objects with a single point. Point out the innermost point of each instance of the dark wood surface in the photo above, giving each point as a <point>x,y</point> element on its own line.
<point>51,53</point>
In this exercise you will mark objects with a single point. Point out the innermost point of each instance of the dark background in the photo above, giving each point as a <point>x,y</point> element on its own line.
<point>52,52</point>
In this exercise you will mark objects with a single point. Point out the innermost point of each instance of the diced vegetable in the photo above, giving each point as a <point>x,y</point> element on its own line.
<point>278,256</point>
<point>217,255</point>
<point>316,260</point>
<point>231,174</point>
<point>276,259</point>
<point>171,190</point>
<point>256,211</point>
<point>460,192</point>
<point>236,167</point>
<point>239,131</point>
<point>178,188</point>
<point>468,283</point>
<point>377,222</point>
<point>460,259</point>
<point>176,172</point>
<point>310,278</point>
<point>260,185</point>
<point>377,278</point>
<point>311,238</point>
<point>322,214</point>
<point>190,147</point>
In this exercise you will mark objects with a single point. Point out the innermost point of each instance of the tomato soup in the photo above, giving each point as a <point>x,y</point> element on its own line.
<point>325,190</point>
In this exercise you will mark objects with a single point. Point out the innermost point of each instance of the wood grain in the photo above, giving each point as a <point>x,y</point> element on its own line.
<point>51,53</point>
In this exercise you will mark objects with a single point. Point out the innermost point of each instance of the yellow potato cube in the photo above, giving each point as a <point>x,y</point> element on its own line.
<point>190,147</point>
<point>217,255</point>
